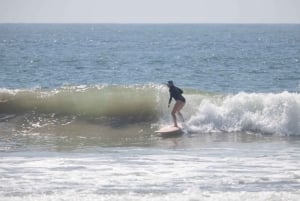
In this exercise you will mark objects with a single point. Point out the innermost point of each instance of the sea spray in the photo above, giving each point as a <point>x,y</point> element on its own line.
<point>270,113</point>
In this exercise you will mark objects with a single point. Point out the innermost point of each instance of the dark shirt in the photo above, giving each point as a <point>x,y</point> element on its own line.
<point>175,93</point>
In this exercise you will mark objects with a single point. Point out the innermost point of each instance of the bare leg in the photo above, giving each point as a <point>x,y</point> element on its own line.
<point>174,116</point>
<point>178,110</point>
<point>175,109</point>
<point>181,117</point>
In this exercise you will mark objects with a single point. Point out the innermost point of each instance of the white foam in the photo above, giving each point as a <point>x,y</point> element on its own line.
<point>258,112</point>
<point>238,173</point>
<point>189,195</point>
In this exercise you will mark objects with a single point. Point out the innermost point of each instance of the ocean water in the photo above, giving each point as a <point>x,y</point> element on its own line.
<point>80,103</point>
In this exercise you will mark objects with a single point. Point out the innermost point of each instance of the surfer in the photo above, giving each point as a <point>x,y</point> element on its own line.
<point>176,93</point>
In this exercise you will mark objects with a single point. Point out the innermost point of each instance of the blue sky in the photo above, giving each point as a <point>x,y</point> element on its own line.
<point>150,11</point>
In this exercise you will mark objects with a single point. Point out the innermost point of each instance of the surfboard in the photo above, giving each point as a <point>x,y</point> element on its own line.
<point>169,131</point>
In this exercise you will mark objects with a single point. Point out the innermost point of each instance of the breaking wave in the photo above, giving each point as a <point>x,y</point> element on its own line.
<point>138,102</point>
<point>268,113</point>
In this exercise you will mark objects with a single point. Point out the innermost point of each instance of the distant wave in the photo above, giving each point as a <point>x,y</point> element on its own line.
<point>267,113</point>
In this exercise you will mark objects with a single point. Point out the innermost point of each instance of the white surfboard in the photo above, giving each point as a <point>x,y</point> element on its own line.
<point>169,131</point>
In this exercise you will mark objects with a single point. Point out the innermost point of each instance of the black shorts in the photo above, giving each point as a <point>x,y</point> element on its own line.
<point>182,99</point>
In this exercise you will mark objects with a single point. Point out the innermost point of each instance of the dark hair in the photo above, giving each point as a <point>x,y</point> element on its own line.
<point>170,82</point>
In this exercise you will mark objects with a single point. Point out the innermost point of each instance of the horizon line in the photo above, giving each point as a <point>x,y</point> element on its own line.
<point>163,23</point>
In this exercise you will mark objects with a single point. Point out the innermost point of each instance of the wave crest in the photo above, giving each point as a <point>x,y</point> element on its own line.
<point>255,112</point>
